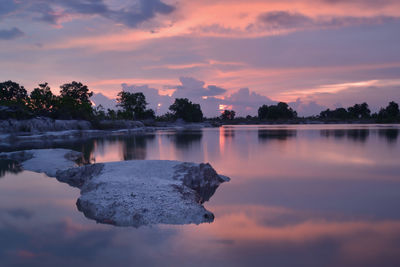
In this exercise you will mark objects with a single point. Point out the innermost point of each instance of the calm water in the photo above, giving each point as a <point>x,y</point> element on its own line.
<point>299,196</point>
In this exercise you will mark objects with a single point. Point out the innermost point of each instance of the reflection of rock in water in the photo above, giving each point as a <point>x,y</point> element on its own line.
<point>390,135</point>
<point>132,193</point>
<point>358,135</point>
<point>275,134</point>
<point>186,139</point>
<point>134,145</point>
<point>9,166</point>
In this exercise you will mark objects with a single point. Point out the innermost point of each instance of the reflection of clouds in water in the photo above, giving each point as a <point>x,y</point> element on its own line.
<point>289,203</point>
<point>63,242</point>
<point>255,232</point>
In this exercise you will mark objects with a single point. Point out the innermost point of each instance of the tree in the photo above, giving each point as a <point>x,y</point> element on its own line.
<point>133,106</point>
<point>99,112</point>
<point>74,101</point>
<point>389,114</point>
<point>359,111</point>
<point>12,93</point>
<point>76,91</point>
<point>338,114</point>
<point>42,99</point>
<point>186,110</point>
<point>228,115</point>
<point>275,112</point>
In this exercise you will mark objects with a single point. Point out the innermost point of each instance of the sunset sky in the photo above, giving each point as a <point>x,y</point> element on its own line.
<point>313,54</point>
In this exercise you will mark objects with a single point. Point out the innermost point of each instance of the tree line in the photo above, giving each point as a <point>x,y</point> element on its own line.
<point>73,102</point>
<point>389,114</point>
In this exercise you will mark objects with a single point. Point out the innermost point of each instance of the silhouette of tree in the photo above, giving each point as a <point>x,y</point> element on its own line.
<point>275,112</point>
<point>228,115</point>
<point>12,93</point>
<point>133,106</point>
<point>74,101</point>
<point>186,110</point>
<point>42,99</point>
<point>359,111</point>
<point>76,91</point>
<point>339,113</point>
<point>389,114</point>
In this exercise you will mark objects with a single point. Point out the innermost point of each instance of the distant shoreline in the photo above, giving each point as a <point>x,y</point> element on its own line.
<point>42,125</point>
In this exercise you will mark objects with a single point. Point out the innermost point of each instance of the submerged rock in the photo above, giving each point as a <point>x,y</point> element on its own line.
<point>136,192</point>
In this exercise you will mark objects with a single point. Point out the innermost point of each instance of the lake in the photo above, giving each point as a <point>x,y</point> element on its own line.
<point>299,195</point>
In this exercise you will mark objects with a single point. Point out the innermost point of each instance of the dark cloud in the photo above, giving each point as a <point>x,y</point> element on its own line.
<point>135,15</point>
<point>6,7</point>
<point>52,11</point>
<point>283,20</point>
<point>10,34</point>
<point>364,3</point>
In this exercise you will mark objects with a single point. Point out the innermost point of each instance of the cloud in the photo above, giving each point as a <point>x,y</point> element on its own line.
<point>147,9</point>
<point>193,88</point>
<point>245,102</point>
<point>284,20</point>
<point>10,34</point>
<point>100,99</point>
<point>306,108</point>
<point>210,98</point>
<point>376,96</point>
<point>53,11</point>
<point>6,7</point>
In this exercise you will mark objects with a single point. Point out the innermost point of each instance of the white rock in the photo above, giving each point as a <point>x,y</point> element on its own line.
<point>131,193</point>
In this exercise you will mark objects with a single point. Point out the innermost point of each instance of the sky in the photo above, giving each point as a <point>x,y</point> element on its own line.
<point>312,54</point>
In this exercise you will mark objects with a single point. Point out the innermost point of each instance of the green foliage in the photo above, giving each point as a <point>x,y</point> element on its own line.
<point>276,112</point>
<point>228,115</point>
<point>184,109</point>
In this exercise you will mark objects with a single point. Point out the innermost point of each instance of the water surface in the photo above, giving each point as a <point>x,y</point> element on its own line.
<point>315,195</point>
